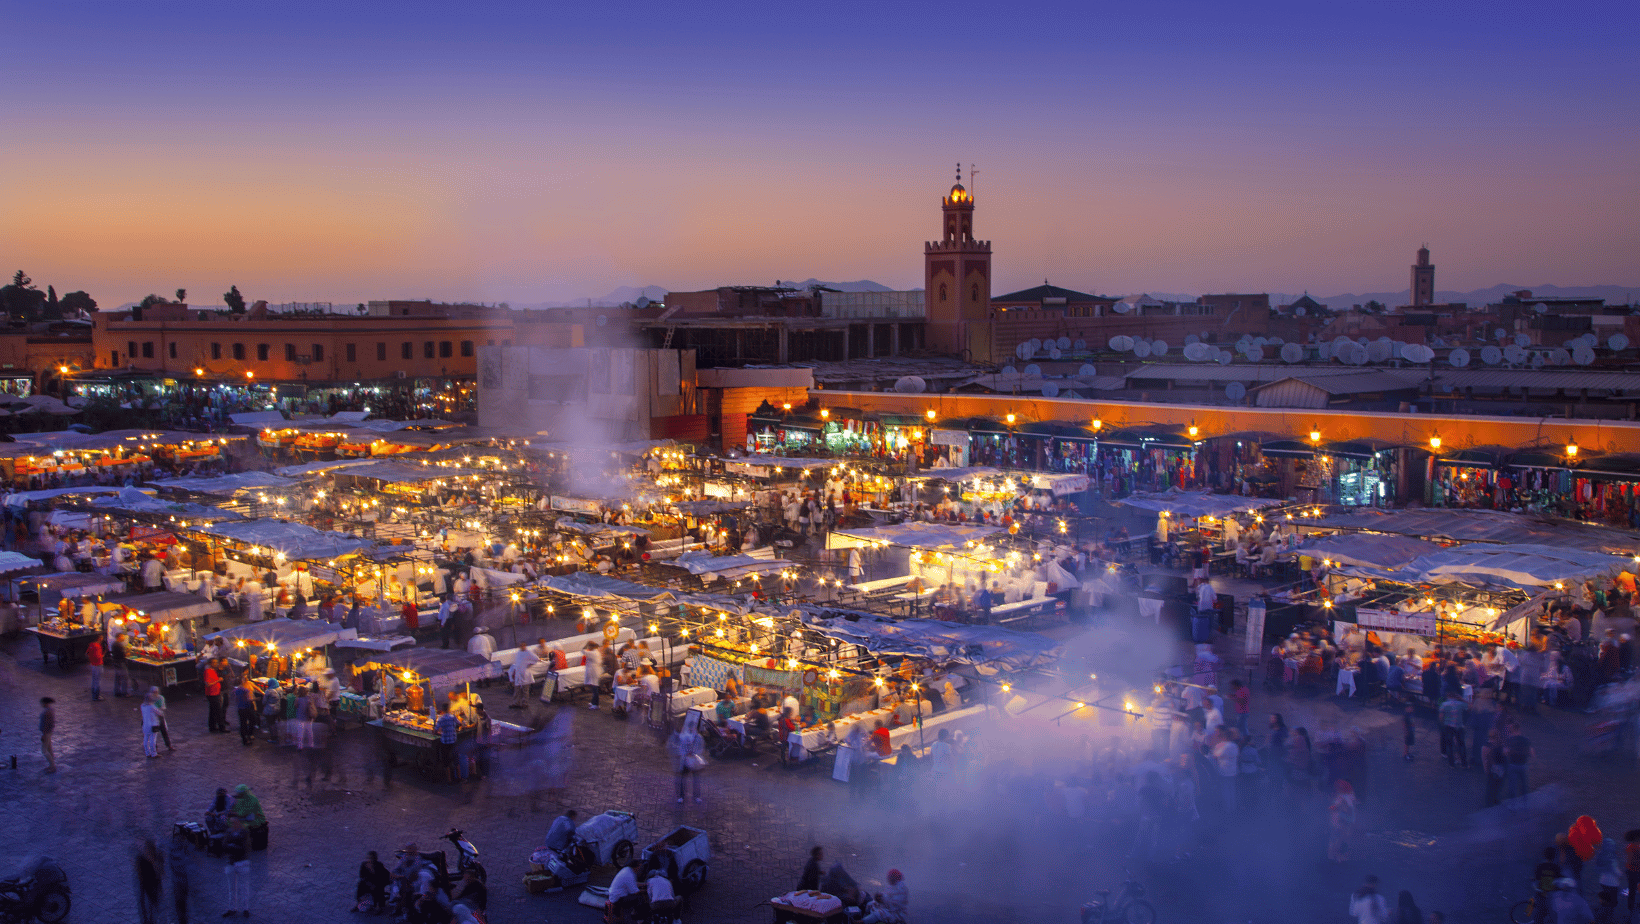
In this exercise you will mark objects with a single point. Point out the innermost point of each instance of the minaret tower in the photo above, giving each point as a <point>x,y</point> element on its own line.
<point>957,282</point>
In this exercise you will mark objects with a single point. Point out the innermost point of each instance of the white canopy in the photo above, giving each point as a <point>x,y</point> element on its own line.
<point>1521,566</point>
<point>288,634</point>
<point>728,567</point>
<point>228,485</point>
<point>955,474</point>
<point>1368,550</point>
<point>1196,503</point>
<point>910,535</point>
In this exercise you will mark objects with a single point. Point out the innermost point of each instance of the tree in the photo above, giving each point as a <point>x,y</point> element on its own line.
<point>75,302</point>
<point>234,301</point>
<point>21,299</point>
<point>1375,306</point>
<point>182,296</point>
<point>150,300</point>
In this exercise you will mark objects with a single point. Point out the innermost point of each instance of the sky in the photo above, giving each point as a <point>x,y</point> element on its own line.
<point>346,151</point>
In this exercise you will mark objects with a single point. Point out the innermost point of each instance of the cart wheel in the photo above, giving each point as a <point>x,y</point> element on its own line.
<point>717,749</point>
<point>53,906</point>
<point>621,853</point>
<point>694,875</point>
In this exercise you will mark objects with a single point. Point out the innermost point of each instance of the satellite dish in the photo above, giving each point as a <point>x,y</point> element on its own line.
<point>602,320</point>
<point>1300,311</point>
<point>1499,333</point>
<point>1583,355</point>
<point>1087,371</point>
<point>1158,348</point>
<point>1191,339</point>
<point>1235,391</point>
<point>1195,352</point>
<point>1384,340</point>
<point>1225,357</point>
<point>1323,351</point>
<point>1537,360</point>
<point>642,302</point>
<point>1541,308</point>
<point>1080,345</point>
<point>1618,342</point>
<point>1418,353</point>
<point>1053,353</point>
<point>1491,355</point>
<point>1050,390</point>
<point>1064,343</point>
<point>1122,307</point>
<point>1255,354</point>
<point>1033,371</point>
<point>1560,357</point>
<point>1459,358</point>
<point>1120,344</point>
<point>1358,354</point>
<point>1380,350</point>
<point>1277,341</point>
<point>1023,351</point>
<point>1009,371</point>
<point>1141,350</point>
<point>1292,352</point>
<point>1036,344</point>
<point>1523,340</point>
<point>910,385</point>
<point>1514,354</point>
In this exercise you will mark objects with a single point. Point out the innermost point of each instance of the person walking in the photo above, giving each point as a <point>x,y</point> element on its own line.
<point>214,720</point>
<point>164,729</point>
<point>1517,752</point>
<point>178,866</point>
<point>150,881</point>
<point>1453,714</point>
<point>48,726</point>
<point>446,623</point>
<point>593,667</point>
<point>94,657</point>
<point>150,726</point>
<point>236,852</point>
<point>686,748</point>
<point>244,700</point>
<point>1367,906</point>
<point>520,675</point>
<point>117,661</point>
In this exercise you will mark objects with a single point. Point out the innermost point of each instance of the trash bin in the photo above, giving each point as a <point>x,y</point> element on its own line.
<point>1226,606</point>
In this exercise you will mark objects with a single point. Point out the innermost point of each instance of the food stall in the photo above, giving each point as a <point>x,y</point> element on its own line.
<point>424,674</point>
<point>156,635</point>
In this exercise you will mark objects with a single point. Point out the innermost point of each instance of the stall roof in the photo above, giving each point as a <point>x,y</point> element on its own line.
<point>745,466</point>
<point>315,468</point>
<point>16,561</point>
<point>1521,566</point>
<point>166,606</point>
<point>989,648</point>
<point>956,474</point>
<point>1482,526</point>
<point>133,500</point>
<point>706,508</point>
<point>587,584</point>
<point>405,472</point>
<point>444,669</point>
<point>74,584</point>
<point>1196,503</point>
<point>257,419</point>
<point>227,485</point>
<point>295,540</point>
<point>727,567</point>
<point>919,535</point>
<point>288,634</point>
<point>1369,550</point>
<point>23,498</point>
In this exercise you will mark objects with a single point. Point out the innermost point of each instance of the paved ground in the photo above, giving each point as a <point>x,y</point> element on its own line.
<point>970,853</point>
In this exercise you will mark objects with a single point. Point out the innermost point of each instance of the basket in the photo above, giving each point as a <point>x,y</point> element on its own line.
<point>537,883</point>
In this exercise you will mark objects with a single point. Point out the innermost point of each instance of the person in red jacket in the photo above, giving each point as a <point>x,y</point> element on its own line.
<point>412,620</point>
<point>94,657</point>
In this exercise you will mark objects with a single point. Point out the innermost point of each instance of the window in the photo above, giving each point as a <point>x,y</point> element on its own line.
<point>114,358</point>
<point>352,352</point>
<point>239,351</point>
<point>427,349</point>
<point>148,349</point>
<point>404,349</point>
<point>381,351</point>
<point>172,347</point>
<point>319,352</point>
<point>466,348</point>
<point>216,351</point>
<point>262,352</point>
<point>290,353</point>
<point>444,350</point>
<point>131,348</point>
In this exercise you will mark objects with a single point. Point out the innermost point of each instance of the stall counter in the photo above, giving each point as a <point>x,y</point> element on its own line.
<point>66,646</point>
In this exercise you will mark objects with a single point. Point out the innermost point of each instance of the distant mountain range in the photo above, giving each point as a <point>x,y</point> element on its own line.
<point>1475,298</point>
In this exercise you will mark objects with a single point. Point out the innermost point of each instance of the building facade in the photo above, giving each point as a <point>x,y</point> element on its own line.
<point>957,283</point>
<point>1423,279</point>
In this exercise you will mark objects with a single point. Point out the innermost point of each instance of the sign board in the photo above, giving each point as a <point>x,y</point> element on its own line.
<point>1060,484</point>
<point>1391,621</point>
<point>1255,629</point>
<point>948,437</point>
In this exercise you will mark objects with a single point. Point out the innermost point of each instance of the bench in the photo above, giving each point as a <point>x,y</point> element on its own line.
<point>874,587</point>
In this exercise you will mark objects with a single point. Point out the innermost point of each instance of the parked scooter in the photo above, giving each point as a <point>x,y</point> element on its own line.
<point>37,892</point>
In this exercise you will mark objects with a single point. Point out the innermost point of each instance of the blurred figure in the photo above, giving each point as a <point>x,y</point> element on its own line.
<point>150,882</point>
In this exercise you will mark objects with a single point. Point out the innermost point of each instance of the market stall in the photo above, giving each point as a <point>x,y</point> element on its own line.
<point>157,628</point>
<point>413,683</point>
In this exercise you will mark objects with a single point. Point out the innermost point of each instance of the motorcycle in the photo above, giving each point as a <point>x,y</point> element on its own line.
<point>37,892</point>
<point>466,858</point>
<point>1129,906</point>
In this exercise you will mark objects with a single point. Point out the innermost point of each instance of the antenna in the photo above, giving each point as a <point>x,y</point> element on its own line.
<point>971,174</point>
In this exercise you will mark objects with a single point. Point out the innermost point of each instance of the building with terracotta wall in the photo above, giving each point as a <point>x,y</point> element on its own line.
<point>729,396</point>
<point>312,348</point>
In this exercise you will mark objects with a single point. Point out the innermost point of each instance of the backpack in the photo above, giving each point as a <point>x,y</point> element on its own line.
<point>272,702</point>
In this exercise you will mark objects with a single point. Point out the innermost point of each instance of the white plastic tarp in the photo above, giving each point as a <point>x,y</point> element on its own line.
<point>727,567</point>
<point>1196,503</point>
<point>295,540</point>
<point>134,500</point>
<point>1528,567</point>
<point>988,648</point>
<point>23,498</point>
<point>288,634</point>
<point>1369,550</point>
<point>316,468</point>
<point>910,535</point>
<point>1483,526</point>
<point>766,465</point>
<point>956,474</point>
<point>16,561</point>
<point>1060,484</point>
<point>587,584</point>
<point>228,485</point>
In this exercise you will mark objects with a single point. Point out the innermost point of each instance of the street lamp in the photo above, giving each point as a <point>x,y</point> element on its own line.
<point>1315,436</point>
<point>1194,430</point>
<point>930,414</point>
<point>1435,443</point>
<point>1098,425</point>
<point>1571,448</point>
<point>825,413</point>
<point>1010,419</point>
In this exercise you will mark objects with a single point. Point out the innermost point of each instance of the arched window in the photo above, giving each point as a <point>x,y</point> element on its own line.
<point>942,291</point>
<point>975,295</point>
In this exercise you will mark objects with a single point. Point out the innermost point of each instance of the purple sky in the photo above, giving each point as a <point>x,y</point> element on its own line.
<point>474,151</point>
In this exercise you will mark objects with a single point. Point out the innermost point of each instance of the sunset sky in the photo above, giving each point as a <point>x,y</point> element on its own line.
<point>346,151</point>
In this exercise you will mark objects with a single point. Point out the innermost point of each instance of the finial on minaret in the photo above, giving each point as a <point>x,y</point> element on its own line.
<point>959,173</point>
